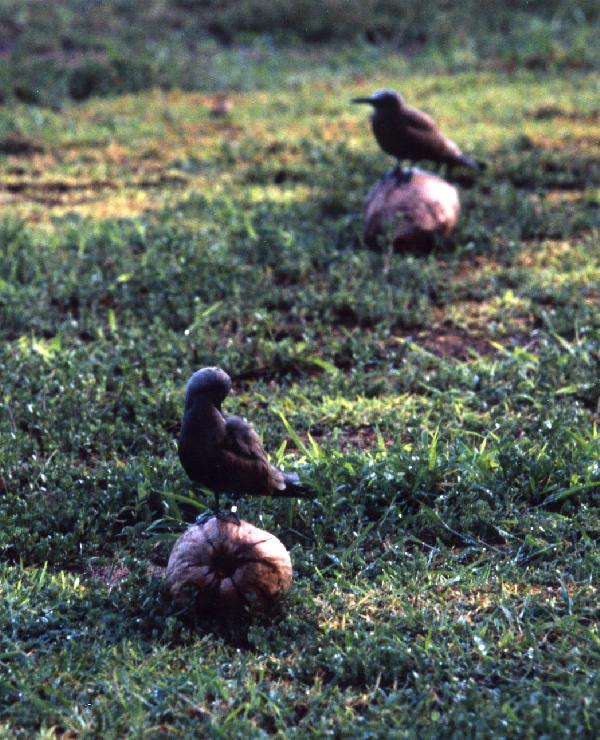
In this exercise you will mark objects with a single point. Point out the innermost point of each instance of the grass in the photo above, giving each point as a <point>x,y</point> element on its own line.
<point>446,578</point>
<point>74,49</point>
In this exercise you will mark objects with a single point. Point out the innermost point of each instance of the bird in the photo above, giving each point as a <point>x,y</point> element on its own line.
<point>224,453</point>
<point>408,133</point>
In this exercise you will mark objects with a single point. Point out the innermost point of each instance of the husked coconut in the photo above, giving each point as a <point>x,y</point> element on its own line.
<point>411,208</point>
<point>222,565</point>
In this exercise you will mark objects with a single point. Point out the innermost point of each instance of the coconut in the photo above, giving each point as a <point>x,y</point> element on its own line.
<point>411,208</point>
<point>220,565</point>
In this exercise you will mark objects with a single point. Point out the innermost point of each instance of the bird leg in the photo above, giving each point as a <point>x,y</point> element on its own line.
<point>400,174</point>
<point>207,516</point>
<point>222,515</point>
<point>230,516</point>
<point>203,518</point>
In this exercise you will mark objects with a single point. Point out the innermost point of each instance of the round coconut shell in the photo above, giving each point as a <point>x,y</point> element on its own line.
<point>411,207</point>
<point>222,565</point>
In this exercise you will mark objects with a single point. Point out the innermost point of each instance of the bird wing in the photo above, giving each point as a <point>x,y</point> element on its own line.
<point>416,119</point>
<point>241,438</point>
<point>243,442</point>
<point>425,132</point>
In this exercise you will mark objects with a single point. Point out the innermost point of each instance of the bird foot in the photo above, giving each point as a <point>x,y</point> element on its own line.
<point>203,518</point>
<point>401,174</point>
<point>232,517</point>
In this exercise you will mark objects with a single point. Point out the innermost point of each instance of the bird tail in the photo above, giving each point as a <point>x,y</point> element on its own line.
<point>294,488</point>
<point>473,164</point>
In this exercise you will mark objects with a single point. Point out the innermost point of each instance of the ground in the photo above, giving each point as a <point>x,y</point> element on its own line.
<point>444,407</point>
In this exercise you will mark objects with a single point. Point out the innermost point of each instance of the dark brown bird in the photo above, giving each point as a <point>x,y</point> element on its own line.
<point>224,453</point>
<point>408,133</point>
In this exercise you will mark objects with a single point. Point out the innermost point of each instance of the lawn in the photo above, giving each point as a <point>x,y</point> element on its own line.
<point>445,407</point>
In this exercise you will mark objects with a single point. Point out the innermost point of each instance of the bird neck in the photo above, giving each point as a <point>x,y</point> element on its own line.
<point>200,416</point>
<point>389,113</point>
<point>199,413</point>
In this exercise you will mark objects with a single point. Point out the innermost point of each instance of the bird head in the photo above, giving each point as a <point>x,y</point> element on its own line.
<point>210,383</point>
<point>381,100</point>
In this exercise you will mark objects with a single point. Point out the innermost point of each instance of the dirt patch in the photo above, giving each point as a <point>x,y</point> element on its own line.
<point>17,145</point>
<point>551,112</point>
<point>108,575</point>
<point>57,186</point>
<point>299,368</point>
<point>78,195</point>
<point>361,438</point>
<point>453,341</point>
<point>114,574</point>
<point>473,265</point>
<point>551,252</point>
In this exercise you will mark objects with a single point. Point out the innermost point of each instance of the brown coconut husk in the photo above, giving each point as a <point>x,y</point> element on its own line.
<point>411,208</point>
<point>222,566</point>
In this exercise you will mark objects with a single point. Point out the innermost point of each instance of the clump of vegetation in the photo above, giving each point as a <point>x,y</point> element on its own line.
<point>73,49</point>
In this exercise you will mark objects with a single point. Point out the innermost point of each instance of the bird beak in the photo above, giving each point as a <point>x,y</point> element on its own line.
<point>369,101</point>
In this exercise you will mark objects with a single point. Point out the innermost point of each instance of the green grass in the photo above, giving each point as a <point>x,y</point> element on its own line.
<point>73,49</point>
<point>446,578</point>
